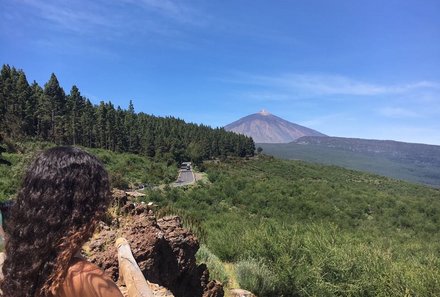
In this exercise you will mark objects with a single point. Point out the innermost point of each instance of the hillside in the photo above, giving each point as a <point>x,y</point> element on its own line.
<point>408,161</point>
<point>291,228</point>
<point>296,229</point>
<point>265,127</point>
<point>126,170</point>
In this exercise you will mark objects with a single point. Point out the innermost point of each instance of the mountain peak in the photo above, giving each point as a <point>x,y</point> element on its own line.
<point>264,112</point>
<point>265,127</point>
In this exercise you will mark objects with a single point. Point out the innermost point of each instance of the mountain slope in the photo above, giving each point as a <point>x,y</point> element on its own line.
<point>408,161</point>
<point>264,127</point>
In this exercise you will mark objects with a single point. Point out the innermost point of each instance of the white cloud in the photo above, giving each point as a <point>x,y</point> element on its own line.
<point>69,15</point>
<point>264,96</point>
<point>321,122</point>
<point>99,17</point>
<point>171,9</point>
<point>398,112</point>
<point>334,85</point>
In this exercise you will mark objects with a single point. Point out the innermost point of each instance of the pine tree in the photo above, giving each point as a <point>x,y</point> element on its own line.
<point>75,106</point>
<point>9,106</point>
<point>56,97</point>
<point>101,125</point>
<point>147,136</point>
<point>27,105</point>
<point>88,120</point>
<point>132,129</point>
<point>110,126</point>
<point>43,112</point>
<point>3,104</point>
<point>2,150</point>
<point>120,131</point>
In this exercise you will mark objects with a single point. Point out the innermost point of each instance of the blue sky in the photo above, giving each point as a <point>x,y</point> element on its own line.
<point>368,69</point>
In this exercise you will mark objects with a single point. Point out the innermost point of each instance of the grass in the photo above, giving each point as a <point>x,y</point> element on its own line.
<point>201,177</point>
<point>216,267</point>
<point>256,276</point>
<point>232,275</point>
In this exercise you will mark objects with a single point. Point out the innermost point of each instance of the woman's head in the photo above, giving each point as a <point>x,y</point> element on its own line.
<point>65,192</point>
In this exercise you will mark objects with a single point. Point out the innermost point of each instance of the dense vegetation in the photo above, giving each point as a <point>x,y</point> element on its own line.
<point>408,161</point>
<point>125,169</point>
<point>297,229</point>
<point>48,114</point>
<point>291,228</point>
<point>2,150</point>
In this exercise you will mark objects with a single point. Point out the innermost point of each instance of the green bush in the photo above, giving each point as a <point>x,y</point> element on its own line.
<point>11,175</point>
<point>255,276</point>
<point>215,265</point>
<point>118,181</point>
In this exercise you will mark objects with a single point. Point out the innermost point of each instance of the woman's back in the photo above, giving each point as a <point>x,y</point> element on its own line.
<point>87,280</point>
<point>64,194</point>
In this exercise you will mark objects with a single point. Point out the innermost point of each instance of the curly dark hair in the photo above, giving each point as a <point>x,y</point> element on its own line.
<point>65,193</point>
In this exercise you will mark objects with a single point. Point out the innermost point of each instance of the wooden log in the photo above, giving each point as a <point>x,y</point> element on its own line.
<point>130,272</point>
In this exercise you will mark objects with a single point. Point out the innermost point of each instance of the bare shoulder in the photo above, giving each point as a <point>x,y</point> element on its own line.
<point>88,280</point>
<point>81,267</point>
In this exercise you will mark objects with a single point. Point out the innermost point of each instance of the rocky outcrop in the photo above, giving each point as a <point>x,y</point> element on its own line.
<point>240,293</point>
<point>164,250</point>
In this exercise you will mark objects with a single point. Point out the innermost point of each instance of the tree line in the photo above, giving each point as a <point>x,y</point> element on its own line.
<point>29,111</point>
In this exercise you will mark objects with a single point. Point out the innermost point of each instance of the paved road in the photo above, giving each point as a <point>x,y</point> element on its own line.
<point>186,177</point>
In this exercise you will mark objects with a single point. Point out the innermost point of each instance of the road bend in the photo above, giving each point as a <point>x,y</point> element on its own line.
<point>186,177</point>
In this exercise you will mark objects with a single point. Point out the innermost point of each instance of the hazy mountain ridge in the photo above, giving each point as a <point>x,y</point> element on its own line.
<point>265,127</point>
<point>418,152</point>
<point>408,161</point>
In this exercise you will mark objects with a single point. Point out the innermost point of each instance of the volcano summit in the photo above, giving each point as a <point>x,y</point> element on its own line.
<point>265,127</point>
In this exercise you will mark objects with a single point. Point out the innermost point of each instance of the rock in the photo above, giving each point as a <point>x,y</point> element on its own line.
<point>135,194</point>
<point>240,293</point>
<point>213,289</point>
<point>120,198</point>
<point>128,208</point>
<point>159,291</point>
<point>164,250</point>
<point>102,253</point>
<point>183,243</point>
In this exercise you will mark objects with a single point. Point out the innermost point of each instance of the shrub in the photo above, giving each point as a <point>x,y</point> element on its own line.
<point>118,181</point>
<point>254,275</point>
<point>215,265</point>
